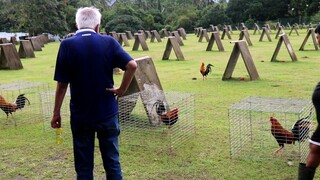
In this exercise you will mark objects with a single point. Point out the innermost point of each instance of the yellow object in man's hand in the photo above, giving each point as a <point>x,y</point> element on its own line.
<point>59,135</point>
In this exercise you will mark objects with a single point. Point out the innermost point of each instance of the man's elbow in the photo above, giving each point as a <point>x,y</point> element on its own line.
<point>132,65</point>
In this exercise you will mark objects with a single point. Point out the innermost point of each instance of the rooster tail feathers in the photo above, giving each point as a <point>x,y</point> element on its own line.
<point>301,128</point>
<point>20,102</point>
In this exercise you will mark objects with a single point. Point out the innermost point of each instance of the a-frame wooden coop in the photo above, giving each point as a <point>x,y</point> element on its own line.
<point>122,38</point>
<point>215,37</point>
<point>313,36</point>
<point>203,34</point>
<point>152,118</point>
<point>226,33</point>
<point>146,79</point>
<point>280,31</point>
<point>284,39</point>
<point>240,47</point>
<point>295,28</point>
<point>177,36</point>
<point>244,34</point>
<point>265,31</point>
<point>155,35</point>
<point>172,43</point>
<point>9,57</point>
<point>256,28</point>
<point>139,39</point>
<point>25,49</point>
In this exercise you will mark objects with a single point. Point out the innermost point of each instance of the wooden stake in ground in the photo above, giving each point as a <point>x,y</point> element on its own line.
<point>284,38</point>
<point>312,33</point>
<point>240,47</point>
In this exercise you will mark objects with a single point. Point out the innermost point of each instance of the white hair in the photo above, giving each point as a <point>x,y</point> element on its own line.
<point>88,17</point>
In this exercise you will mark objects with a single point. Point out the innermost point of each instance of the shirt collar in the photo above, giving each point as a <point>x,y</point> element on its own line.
<point>85,30</point>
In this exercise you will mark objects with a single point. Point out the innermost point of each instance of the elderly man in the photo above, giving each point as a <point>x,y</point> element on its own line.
<point>86,61</point>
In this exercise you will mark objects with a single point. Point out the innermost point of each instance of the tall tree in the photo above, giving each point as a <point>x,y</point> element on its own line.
<point>213,14</point>
<point>46,16</point>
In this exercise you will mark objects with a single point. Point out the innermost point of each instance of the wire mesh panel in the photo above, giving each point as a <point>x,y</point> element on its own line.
<point>21,101</point>
<point>176,119</point>
<point>262,127</point>
<point>47,106</point>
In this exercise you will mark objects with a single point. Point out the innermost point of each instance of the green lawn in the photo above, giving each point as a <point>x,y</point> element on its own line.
<point>30,152</point>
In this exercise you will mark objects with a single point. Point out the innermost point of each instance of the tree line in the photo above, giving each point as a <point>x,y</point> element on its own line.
<point>57,16</point>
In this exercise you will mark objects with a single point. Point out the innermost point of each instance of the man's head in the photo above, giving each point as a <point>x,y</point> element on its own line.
<point>88,17</point>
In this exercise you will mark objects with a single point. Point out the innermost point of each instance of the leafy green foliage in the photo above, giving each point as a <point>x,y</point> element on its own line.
<point>214,14</point>
<point>57,16</point>
<point>124,23</point>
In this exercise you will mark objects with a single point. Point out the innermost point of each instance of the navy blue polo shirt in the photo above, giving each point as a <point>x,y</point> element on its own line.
<point>86,61</point>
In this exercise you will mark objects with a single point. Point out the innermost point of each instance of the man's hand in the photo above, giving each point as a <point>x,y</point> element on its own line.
<point>115,91</point>
<point>56,121</point>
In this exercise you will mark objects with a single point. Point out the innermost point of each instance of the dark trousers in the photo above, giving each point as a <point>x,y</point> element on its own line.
<point>83,147</point>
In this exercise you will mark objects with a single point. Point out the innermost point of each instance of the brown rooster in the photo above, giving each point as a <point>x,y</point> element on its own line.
<point>9,108</point>
<point>205,70</point>
<point>299,132</point>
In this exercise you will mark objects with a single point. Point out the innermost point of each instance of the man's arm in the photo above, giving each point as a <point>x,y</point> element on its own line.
<point>60,93</point>
<point>126,80</point>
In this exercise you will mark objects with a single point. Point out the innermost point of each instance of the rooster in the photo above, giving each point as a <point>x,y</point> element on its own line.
<point>168,118</point>
<point>299,132</point>
<point>9,108</point>
<point>205,70</point>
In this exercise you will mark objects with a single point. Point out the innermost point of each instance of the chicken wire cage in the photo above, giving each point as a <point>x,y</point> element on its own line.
<point>160,121</point>
<point>47,106</point>
<point>251,132</point>
<point>31,111</point>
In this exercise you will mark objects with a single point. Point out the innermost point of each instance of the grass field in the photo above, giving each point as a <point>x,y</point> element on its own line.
<point>29,152</point>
